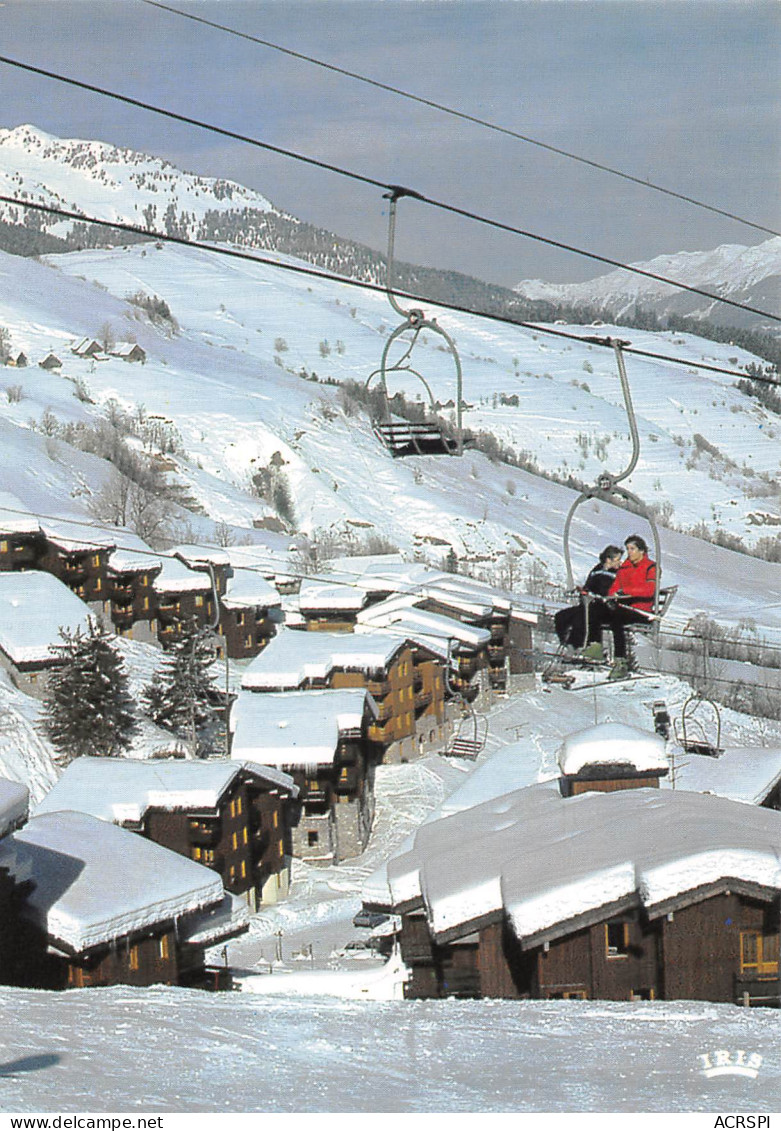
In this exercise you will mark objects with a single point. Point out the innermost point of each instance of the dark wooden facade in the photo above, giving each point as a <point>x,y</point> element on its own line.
<point>176,609</point>
<point>246,839</point>
<point>21,550</point>
<point>721,948</point>
<point>83,569</point>
<point>133,598</point>
<point>246,631</point>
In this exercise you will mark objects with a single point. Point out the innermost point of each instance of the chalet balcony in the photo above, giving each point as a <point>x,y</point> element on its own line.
<point>74,572</point>
<point>417,681</point>
<point>496,652</point>
<point>122,614</point>
<point>384,712</point>
<point>467,666</point>
<point>379,687</point>
<point>23,554</point>
<point>204,835</point>
<point>123,591</point>
<point>169,612</point>
<point>422,699</point>
<point>498,632</point>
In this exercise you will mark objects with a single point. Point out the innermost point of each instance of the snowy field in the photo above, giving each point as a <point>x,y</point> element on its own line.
<point>181,1050</point>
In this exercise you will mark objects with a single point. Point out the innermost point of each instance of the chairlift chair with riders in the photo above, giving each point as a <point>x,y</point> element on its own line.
<point>607,489</point>
<point>405,437</point>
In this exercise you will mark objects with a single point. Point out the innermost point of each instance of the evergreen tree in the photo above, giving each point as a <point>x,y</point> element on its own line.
<point>182,697</point>
<point>88,709</point>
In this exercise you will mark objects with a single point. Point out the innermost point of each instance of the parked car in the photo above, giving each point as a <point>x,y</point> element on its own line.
<point>369,919</point>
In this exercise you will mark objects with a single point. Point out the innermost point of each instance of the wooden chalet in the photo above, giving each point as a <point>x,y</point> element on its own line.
<point>249,613</point>
<point>128,351</point>
<point>51,361</point>
<point>131,573</point>
<point>18,360</point>
<point>617,892</point>
<point>76,555</point>
<point>88,347</point>
<point>611,756</point>
<point>320,738</point>
<point>504,658</point>
<point>22,542</point>
<point>183,597</point>
<point>330,606</point>
<point>34,607</point>
<point>232,817</point>
<point>383,663</point>
<point>104,907</point>
<point>14,800</point>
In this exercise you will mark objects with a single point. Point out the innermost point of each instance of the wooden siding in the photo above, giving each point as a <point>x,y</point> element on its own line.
<point>696,954</point>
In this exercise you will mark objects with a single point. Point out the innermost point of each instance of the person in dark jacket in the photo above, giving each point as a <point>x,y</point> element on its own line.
<point>633,587</point>
<point>571,624</point>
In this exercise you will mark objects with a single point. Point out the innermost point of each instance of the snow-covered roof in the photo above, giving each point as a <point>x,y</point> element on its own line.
<point>292,657</point>
<point>228,918</point>
<point>390,574</point>
<point>73,536</point>
<point>34,606</point>
<point>401,614</point>
<point>742,773</point>
<point>202,555</point>
<point>315,596</point>
<point>14,805</point>
<point>249,589</point>
<point>122,789</point>
<point>133,555</point>
<point>95,882</point>
<point>296,728</point>
<point>613,744</point>
<point>124,349</point>
<point>546,862</point>
<point>175,577</point>
<point>15,517</point>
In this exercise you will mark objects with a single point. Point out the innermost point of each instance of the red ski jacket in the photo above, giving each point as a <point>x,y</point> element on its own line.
<point>636,581</point>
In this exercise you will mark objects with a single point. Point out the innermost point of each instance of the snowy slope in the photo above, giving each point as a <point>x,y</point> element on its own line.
<point>750,275</point>
<point>111,1051</point>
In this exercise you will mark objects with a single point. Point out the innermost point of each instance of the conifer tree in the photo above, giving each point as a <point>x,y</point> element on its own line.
<point>182,696</point>
<point>88,709</point>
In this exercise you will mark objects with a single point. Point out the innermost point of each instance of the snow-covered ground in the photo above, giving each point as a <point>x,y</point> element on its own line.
<point>179,1050</point>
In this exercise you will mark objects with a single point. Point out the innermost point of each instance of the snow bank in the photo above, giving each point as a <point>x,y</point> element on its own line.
<point>612,744</point>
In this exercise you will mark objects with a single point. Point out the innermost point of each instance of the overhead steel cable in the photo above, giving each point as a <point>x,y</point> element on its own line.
<point>464,116</point>
<point>394,189</point>
<point>377,288</point>
<point>353,580</point>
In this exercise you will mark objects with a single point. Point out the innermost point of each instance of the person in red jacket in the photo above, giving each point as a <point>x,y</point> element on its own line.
<point>633,588</point>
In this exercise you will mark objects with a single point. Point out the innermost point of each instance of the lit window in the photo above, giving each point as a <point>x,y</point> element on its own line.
<point>244,835</point>
<point>758,953</point>
<point>165,947</point>
<point>282,849</point>
<point>133,958</point>
<point>276,818</point>
<point>238,806</point>
<point>4,547</point>
<point>199,602</point>
<point>235,840</point>
<point>244,869</point>
<point>197,852</point>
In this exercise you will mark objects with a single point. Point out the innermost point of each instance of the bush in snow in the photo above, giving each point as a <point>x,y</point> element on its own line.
<point>88,709</point>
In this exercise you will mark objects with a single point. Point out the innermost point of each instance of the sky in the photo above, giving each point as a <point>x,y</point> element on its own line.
<point>684,93</point>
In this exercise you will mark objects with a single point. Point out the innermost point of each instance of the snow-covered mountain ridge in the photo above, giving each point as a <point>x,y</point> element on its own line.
<point>112,183</point>
<point>751,275</point>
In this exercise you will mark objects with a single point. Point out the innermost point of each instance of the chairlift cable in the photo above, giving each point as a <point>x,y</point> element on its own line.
<point>464,116</point>
<point>364,179</point>
<point>377,288</point>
